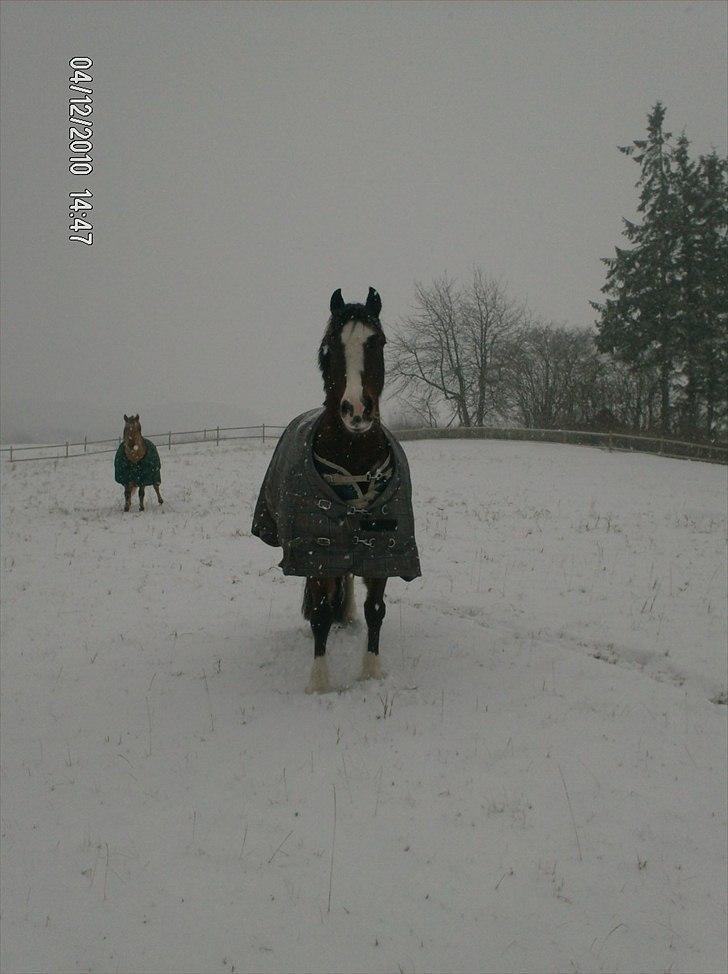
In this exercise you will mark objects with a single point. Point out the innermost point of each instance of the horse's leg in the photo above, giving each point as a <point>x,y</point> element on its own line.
<point>320,596</point>
<point>141,497</point>
<point>127,496</point>
<point>374,612</point>
<point>159,496</point>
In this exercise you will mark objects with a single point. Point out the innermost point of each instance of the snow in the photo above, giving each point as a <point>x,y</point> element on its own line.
<point>537,784</point>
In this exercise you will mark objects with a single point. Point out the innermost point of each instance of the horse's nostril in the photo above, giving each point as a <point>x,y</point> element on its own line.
<point>346,407</point>
<point>356,420</point>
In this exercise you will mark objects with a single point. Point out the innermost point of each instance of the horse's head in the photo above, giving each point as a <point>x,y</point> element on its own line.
<point>133,442</point>
<point>351,359</point>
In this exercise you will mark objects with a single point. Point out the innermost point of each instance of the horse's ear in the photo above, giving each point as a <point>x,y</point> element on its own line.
<point>337,302</point>
<point>374,303</point>
<point>126,418</point>
<point>136,418</point>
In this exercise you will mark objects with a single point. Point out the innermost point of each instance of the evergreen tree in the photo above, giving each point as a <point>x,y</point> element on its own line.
<point>711,218</point>
<point>638,319</point>
<point>690,319</point>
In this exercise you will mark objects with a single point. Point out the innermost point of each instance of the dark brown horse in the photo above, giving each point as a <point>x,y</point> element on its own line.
<point>137,463</point>
<point>337,495</point>
<point>350,435</point>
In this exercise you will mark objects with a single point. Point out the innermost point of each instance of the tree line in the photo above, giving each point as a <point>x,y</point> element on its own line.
<point>656,359</point>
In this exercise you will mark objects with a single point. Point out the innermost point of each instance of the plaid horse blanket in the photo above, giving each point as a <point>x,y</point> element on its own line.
<point>323,534</point>
<point>144,472</point>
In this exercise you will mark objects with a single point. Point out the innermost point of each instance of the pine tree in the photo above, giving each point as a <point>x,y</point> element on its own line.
<point>638,319</point>
<point>711,217</point>
<point>691,324</point>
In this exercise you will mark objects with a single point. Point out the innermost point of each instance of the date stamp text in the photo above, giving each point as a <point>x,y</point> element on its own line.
<point>80,147</point>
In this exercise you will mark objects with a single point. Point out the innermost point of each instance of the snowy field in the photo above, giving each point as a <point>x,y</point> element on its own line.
<point>538,784</point>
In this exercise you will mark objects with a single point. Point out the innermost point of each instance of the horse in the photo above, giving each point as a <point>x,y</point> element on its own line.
<point>137,463</point>
<point>337,493</point>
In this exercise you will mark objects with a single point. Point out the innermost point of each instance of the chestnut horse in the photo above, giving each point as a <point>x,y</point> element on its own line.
<point>137,463</point>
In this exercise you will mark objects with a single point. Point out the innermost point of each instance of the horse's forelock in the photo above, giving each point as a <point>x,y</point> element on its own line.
<point>350,312</point>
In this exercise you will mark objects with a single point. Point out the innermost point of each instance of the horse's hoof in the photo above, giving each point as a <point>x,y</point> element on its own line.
<point>126,508</point>
<point>371,667</point>
<point>161,501</point>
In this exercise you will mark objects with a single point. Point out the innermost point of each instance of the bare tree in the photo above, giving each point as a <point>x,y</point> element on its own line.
<point>449,354</point>
<point>471,356</point>
<point>545,374</point>
<point>427,351</point>
<point>490,319</point>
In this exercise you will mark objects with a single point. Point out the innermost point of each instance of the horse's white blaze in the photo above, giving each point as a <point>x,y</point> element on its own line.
<point>353,336</point>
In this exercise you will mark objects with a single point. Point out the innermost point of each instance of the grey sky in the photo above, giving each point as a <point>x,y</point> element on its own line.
<point>252,157</point>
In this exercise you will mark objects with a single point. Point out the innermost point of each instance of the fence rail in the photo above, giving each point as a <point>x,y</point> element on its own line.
<point>661,446</point>
<point>87,448</point>
<point>623,442</point>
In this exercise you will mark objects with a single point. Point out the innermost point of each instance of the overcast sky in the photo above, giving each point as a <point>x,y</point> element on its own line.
<point>249,158</point>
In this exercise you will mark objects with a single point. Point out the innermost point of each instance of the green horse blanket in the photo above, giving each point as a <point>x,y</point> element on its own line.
<point>144,472</point>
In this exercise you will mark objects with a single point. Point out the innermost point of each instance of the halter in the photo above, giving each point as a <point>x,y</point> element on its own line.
<point>376,479</point>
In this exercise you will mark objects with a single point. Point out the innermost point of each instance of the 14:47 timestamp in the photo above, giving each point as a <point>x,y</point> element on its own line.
<point>80,203</point>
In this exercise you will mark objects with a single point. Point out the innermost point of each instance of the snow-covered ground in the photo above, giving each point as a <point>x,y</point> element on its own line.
<point>538,784</point>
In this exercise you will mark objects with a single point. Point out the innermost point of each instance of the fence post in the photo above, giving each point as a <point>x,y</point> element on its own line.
<point>204,434</point>
<point>217,436</point>
<point>264,432</point>
<point>66,447</point>
<point>84,443</point>
<point>11,452</point>
<point>169,440</point>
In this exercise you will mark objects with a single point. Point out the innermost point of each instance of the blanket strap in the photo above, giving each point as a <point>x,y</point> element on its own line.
<point>343,477</point>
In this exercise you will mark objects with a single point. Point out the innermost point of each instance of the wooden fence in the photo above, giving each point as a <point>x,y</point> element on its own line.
<point>661,446</point>
<point>86,447</point>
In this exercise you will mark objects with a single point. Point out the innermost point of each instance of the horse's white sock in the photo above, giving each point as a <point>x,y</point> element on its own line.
<point>319,680</point>
<point>371,667</point>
